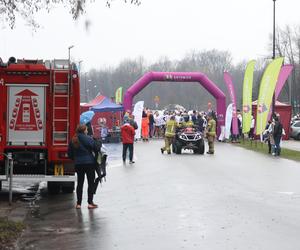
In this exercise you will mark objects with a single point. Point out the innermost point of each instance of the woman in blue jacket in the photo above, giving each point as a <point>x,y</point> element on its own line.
<point>82,149</point>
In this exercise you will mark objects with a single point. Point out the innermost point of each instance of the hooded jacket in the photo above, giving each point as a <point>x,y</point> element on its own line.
<point>84,153</point>
<point>127,134</point>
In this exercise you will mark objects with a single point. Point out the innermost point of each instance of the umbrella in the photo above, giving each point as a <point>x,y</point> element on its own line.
<point>86,117</point>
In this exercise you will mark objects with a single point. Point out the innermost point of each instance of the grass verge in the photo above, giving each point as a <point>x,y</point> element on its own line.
<point>261,147</point>
<point>9,232</point>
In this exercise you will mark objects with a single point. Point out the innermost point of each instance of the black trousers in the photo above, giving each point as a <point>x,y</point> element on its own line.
<point>89,171</point>
<point>125,147</point>
<point>277,140</point>
<point>269,146</point>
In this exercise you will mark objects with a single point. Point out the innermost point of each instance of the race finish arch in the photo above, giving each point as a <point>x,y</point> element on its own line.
<point>179,77</point>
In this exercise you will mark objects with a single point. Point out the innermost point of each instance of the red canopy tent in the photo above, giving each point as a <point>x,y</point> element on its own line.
<point>97,100</point>
<point>285,112</point>
<point>112,118</point>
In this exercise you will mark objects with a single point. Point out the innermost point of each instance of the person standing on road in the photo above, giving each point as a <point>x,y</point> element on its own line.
<point>132,122</point>
<point>151,124</point>
<point>268,137</point>
<point>200,123</point>
<point>127,135</point>
<point>169,134</point>
<point>158,124</point>
<point>145,126</point>
<point>210,133</point>
<point>82,149</point>
<point>277,133</point>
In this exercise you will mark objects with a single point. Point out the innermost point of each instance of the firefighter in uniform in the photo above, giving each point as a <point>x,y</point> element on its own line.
<point>187,122</point>
<point>169,134</point>
<point>211,133</point>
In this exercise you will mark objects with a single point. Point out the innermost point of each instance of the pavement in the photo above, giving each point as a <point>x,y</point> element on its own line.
<point>5,209</point>
<point>291,144</point>
<point>15,212</point>
<point>22,193</point>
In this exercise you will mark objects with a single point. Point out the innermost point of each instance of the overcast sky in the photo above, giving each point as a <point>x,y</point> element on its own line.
<point>154,29</point>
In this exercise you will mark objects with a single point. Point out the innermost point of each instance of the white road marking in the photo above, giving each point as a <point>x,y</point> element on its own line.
<point>287,193</point>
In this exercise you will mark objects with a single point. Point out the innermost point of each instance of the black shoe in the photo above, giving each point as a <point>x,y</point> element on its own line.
<point>210,153</point>
<point>162,151</point>
<point>169,153</point>
<point>131,162</point>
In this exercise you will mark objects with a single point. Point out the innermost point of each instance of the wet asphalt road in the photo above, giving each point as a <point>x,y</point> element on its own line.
<point>236,199</point>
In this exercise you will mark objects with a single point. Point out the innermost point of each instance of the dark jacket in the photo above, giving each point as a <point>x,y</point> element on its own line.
<point>85,153</point>
<point>151,119</point>
<point>277,129</point>
<point>200,123</point>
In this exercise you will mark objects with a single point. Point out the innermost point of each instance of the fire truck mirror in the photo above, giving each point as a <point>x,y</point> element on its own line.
<point>12,60</point>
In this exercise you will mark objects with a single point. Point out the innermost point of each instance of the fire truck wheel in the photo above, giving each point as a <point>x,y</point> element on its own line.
<point>67,187</point>
<point>53,187</point>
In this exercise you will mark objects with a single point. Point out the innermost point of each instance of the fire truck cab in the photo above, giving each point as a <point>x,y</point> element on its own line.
<point>39,112</point>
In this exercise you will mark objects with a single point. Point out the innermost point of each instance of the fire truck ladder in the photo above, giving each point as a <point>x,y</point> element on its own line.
<point>61,95</point>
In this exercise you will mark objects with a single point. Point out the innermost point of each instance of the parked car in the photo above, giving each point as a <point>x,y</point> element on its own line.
<point>295,130</point>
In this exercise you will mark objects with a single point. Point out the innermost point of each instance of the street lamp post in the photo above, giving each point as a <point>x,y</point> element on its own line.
<point>69,62</point>
<point>79,66</point>
<point>79,73</point>
<point>273,99</point>
<point>85,89</point>
<point>69,50</point>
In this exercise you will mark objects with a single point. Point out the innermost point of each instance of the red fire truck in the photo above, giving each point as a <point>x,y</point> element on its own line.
<point>39,107</point>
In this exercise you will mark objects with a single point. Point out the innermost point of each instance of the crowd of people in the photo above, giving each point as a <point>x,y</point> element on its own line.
<point>154,122</point>
<point>157,124</point>
<point>272,134</point>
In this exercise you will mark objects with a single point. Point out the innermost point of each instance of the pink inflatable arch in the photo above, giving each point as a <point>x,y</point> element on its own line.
<point>179,77</point>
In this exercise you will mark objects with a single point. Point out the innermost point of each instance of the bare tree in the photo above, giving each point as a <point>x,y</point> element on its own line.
<point>26,9</point>
<point>288,46</point>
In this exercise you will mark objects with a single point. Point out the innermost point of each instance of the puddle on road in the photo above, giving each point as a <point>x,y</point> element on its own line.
<point>21,190</point>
